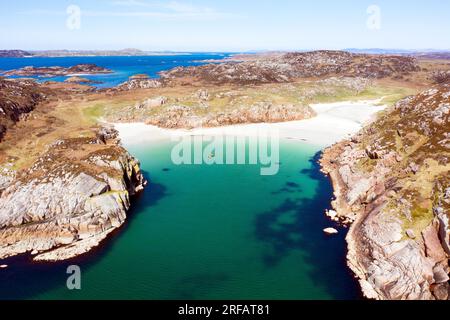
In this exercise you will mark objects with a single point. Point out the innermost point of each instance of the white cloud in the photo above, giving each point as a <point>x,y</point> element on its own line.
<point>187,8</point>
<point>43,12</point>
<point>173,10</point>
<point>172,7</point>
<point>132,3</point>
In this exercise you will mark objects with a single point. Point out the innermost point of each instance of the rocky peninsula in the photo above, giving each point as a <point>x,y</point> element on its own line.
<point>62,207</point>
<point>56,71</point>
<point>391,184</point>
<point>63,194</point>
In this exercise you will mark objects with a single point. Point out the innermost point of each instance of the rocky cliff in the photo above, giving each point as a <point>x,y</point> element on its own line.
<point>69,200</point>
<point>392,183</point>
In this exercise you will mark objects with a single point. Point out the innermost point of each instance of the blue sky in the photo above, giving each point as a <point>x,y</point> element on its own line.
<point>225,25</point>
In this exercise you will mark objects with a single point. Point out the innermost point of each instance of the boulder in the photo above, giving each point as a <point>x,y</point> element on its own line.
<point>330,231</point>
<point>333,215</point>
<point>410,233</point>
<point>433,246</point>
<point>440,275</point>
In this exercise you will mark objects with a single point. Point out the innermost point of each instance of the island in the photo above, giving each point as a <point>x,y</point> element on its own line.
<point>56,71</point>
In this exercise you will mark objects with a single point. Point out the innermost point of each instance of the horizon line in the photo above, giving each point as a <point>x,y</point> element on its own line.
<point>240,51</point>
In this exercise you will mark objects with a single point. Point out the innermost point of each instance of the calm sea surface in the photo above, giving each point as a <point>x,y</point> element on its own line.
<point>122,67</point>
<point>209,232</point>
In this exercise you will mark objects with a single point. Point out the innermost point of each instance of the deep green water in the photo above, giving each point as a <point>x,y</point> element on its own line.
<point>209,232</point>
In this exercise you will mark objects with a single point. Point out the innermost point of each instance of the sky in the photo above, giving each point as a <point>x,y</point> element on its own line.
<point>224,25</point>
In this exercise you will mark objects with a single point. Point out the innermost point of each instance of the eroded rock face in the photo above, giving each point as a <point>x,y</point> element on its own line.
<point>391,181</point>
<point>63,207</point>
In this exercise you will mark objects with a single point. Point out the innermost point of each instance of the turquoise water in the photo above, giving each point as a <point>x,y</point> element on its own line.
<point>209,232</point>
<point>122,67</point>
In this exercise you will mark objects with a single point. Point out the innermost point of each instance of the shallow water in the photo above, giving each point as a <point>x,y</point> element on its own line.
<point>210,232</point>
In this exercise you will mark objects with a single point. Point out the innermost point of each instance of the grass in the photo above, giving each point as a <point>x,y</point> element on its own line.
<point>120,107</point>
<point>420,219</point>
<point>388,93</point>
<point>93,113</point>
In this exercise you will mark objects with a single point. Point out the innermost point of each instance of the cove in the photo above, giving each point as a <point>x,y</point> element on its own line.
<point>209,232</point>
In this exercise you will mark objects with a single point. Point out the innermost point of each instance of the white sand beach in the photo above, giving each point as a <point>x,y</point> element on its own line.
<point>334,122</point>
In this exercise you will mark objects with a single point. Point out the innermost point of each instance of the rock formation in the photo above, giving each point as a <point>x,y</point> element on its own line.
<point>48,72</point>
<point>69,200</point>
<point>392,183</point>
<point>77,79</point>
<point>139,82</point>
<point>441,76</point>
<point>183,117</point>
<point>17,98</point>
<point>291,66</point>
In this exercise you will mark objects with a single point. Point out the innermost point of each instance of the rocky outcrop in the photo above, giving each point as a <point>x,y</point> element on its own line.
<point>184,117</point>
<point>17,98</point>
<point>78,80</point>
<point>391,182</point>
<point>69,200</point>
<point>140,84</point>
<point>139,81</point>
<point>291,66</point>
<point>48,72</point>
<point>441,77</point>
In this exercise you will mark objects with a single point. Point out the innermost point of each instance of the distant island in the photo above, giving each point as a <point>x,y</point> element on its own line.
<point>132,52</point>
<point>55,71</point>
<point>83,53</point>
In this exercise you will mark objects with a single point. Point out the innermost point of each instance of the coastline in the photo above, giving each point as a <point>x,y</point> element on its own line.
<point>334,122</point>
<point>373,179</point>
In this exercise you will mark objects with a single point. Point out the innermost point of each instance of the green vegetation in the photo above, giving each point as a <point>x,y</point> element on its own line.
<point>93,113</point>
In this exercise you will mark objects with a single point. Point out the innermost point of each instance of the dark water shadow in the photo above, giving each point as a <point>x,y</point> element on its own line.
<point>25,279</point>
<point>304,231</point>
<point>289,187</point>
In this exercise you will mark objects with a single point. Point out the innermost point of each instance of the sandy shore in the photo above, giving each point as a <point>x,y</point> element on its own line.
<point>334,122</point>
